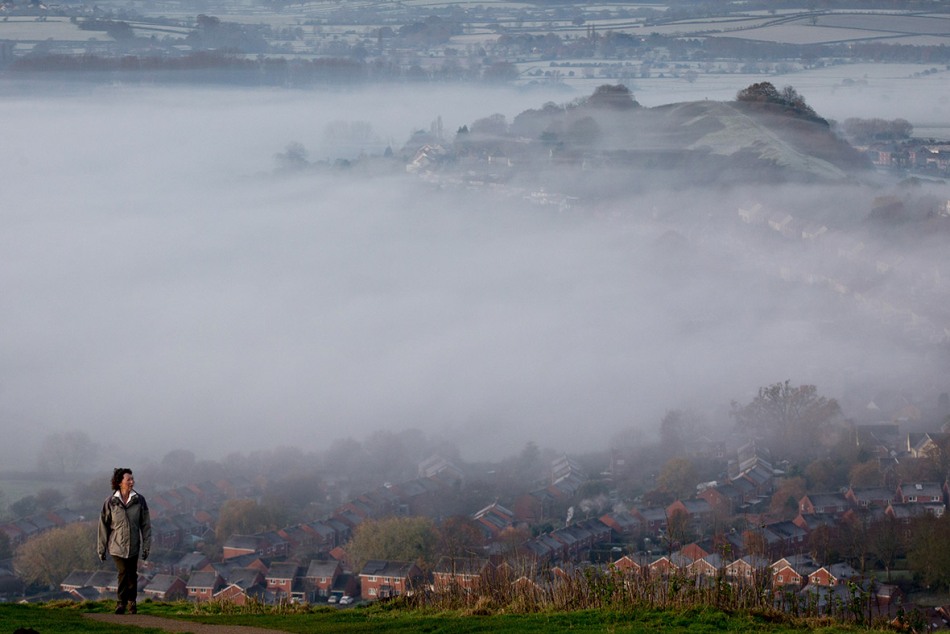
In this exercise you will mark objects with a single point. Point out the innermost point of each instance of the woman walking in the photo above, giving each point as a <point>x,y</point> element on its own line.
<point>125,531</point>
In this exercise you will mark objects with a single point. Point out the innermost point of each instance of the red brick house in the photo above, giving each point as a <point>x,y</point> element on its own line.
<point>622,524</point>
<point>920,493</point>
<point>340,555</point>
<point>652,519</point>
<point>299,537</point>
<point>272,545</point>
<point>324,535</point>
<point>380,579</point>
<point>166,534</point>
<point>833,575</point>
<point>823,503</point>
<point>166,588</point>
<point>724,498</point>
<point>234,593</point>
<point>632,564</point>
<point>809,522</point>
<point>105,581</point>
<point>526,587</point>
<point>238,545</point>
<point>493,519</point>
<point>243,584</point>
<point>874,497</point>
<point>321,577</point>
<point>706,567</point>
<point>75,580</point>
<point>189,563</point>
<point>280,578</point>
<point>748,568</point>
<point>464,573</point>
<point>203,585</point>
<point>786,537</point>
<point>697,550</point>
<point>792,572</point>
<point>667,565</point>
<point>885,594</point>
<point>699,511</point>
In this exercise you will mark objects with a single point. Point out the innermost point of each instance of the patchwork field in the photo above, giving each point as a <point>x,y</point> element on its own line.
<point>31,29</point>
<point>16,486</point>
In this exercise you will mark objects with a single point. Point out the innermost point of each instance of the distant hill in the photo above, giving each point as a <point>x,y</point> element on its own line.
<point>692,143</point>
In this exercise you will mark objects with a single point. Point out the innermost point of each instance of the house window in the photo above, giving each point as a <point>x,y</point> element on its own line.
<point>373,578</point>
<point>780,578</point>
<point>372,592</point>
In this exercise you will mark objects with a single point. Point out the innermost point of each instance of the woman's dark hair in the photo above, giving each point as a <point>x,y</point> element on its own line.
<point>117,474</point>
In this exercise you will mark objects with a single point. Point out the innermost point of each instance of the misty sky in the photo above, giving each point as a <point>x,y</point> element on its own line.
<point>161,288</point>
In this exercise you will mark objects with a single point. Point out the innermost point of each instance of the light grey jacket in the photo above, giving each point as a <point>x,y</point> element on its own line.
<point>125,530</point>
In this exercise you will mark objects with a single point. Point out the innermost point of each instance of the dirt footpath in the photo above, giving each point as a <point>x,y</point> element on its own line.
<point>174,625</point>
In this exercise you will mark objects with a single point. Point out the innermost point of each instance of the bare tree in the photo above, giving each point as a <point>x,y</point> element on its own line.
<point>793,418</point>
<point>50,557</point>
<point>67,452</point>
<point>397,538</point>
<point>245,517</point>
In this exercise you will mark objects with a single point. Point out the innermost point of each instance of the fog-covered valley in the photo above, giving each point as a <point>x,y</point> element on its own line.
<point>165,285</point>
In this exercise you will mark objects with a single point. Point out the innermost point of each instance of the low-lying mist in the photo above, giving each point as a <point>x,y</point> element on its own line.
<point>163,286</point>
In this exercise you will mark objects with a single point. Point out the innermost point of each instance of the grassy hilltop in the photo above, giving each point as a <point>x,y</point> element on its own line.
<point>71,617</point>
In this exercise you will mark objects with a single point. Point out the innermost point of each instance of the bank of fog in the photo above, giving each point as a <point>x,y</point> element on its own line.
<point>170,288</point>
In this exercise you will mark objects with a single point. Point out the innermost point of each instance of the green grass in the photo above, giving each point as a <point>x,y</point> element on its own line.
<point>61,620</point>
<point>68,618</point>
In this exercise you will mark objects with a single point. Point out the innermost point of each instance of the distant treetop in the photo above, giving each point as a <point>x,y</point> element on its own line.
<point>618,97</point>
<point>788,98</point>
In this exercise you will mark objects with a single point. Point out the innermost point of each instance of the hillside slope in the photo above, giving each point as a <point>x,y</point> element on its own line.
<point>690,143</point>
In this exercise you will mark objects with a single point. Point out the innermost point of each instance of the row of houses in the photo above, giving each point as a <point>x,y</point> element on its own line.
<point>245,574</point>
<point>798,577</point>
<point>745,491</point>
<point>779,537</point>
<point>21,530</point>
<point>251,578</point>
<point>196,496</point>
<point>928,157</point>
<point>793,572</point>
<point>237,580</point>
<point>318,580</point>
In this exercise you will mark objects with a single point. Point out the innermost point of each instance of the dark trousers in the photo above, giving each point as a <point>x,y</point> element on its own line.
<point>128,569</point>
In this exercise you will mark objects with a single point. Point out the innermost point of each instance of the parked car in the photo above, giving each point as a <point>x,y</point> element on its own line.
<point>332,598</point>
<point>346,600</point>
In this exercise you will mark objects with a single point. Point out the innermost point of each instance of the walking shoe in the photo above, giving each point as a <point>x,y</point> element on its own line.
<point>120,608</point>
<point>132,608</point>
